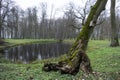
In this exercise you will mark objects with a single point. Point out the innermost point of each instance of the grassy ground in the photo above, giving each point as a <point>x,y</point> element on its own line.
<point>104,59</point>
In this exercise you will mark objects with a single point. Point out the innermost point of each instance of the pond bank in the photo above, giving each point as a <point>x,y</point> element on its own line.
<point>16,42</point>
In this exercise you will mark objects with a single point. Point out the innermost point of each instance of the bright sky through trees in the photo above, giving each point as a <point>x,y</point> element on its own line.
<point>57,3</point>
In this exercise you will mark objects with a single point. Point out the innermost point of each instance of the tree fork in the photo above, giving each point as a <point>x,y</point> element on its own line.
<point>77,58</point>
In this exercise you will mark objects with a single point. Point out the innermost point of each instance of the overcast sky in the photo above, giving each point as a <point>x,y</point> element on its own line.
<point>58,4</point>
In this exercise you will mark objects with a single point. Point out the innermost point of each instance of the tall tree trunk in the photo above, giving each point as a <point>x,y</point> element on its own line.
<point>1,40</point>
<point>114,32</point>
<point>77,58</point>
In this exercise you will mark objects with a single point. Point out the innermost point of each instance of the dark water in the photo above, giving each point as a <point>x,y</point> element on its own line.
<point>29,53</point>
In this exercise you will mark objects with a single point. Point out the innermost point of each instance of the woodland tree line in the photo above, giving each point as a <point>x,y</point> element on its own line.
<point>94,21</point>
<point>36,23</point>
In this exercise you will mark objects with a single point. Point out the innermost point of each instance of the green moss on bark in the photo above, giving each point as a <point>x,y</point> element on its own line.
<point>76,56</point>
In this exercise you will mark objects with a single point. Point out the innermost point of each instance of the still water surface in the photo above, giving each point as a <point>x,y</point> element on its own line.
<point>32,52</point>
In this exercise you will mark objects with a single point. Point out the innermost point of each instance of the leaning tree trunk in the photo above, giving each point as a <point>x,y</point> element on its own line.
<point>114,32</point>
<point>77,58</point>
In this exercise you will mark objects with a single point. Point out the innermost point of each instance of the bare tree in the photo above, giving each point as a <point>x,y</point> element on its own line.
<point>35,22</point>
<point>100,29</point>
<point>71,23</point>
<point>81,13</point>
<point>22,25</point>
<point>114,32</point>
<point>4,9</point>
<point>43,18</point>
<point>13,21</point>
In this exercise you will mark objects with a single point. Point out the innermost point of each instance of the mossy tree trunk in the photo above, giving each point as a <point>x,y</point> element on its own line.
<point>77,58</point>
<point>114,32</point>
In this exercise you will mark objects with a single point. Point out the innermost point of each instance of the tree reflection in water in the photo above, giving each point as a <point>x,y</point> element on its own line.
<point>32,52</point>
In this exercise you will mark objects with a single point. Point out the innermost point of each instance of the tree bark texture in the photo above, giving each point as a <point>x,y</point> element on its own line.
<point>1,40</point>
<point>77,58</point>
<point>114,32</point>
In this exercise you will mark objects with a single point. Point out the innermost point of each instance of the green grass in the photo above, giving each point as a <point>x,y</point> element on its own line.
<point>105,62</point>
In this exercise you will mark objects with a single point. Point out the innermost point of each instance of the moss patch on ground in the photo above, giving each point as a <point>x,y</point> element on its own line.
<point>105,62</point>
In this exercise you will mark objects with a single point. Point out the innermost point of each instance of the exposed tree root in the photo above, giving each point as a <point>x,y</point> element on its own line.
<point>71,66</point>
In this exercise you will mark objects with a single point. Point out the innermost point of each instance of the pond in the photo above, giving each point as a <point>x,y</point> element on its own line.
<point>32,52</point>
